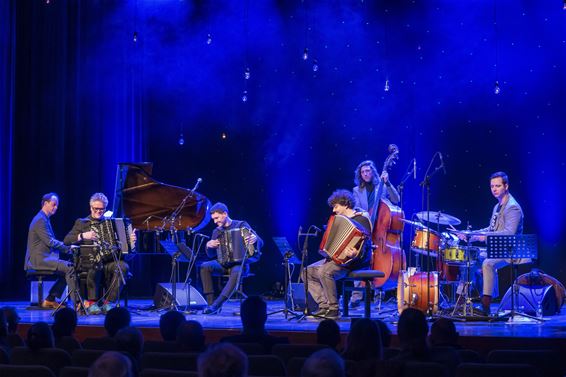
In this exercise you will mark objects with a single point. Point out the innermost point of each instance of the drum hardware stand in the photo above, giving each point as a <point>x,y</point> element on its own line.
<point>75,291</point>
<point>466,294</point>
<point>287,256</point>
<point>304,260</point>
<point>513,247</point>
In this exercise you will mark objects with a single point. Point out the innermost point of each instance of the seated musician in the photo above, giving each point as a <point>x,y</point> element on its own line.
<point>224,263</point>
<point>506,219</point>
<point>322,275</point>
<point>102,273</point>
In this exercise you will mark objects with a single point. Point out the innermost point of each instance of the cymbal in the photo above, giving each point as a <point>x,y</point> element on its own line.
<point>438,218</point>
<point>414,223</point>
<point>469,232</point>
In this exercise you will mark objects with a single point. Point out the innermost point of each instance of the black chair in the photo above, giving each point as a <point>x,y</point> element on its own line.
<point>165,360</point>
<point>545,361</point>
<point>4,357</point>
<point>239,293</point>
<point>167,373</point>
<point>288,351</point>
<point>365,276</point>
<point>495,370</point>
<point>25,371</point>
<point>390,353</point>
<point>40,276</point>
<point>85,358</point>
<point>265,365</point>
<point>160,346</point>
<point>68,343</point>
<point>425,369</point>
<point>105,343</point>
<point>74,372</point>
<point>294,366</point>
<point>470,356</point>
<point>14,340</point>
<point>251,348</point>
<point>52,358</point>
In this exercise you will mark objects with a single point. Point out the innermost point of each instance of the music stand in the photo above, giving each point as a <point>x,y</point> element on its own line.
<point>177,255</point>
<point>74,294</point>
<point>513,247</point>
<point>288,258</point>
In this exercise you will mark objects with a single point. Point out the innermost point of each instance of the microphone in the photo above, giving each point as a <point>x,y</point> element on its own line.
<point>442,163</point>
<point>414,168</point>
<point>196,184</point>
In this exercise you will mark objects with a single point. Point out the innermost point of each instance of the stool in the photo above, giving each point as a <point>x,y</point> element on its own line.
<point>239,286</point>
<point>365,276</point>
<point>39,276</point>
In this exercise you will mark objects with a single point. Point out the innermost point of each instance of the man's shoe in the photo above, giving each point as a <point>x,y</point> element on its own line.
<point>332,314</point>
<point>46,304</point>
<point>94,309</point>
<point>212,309</point>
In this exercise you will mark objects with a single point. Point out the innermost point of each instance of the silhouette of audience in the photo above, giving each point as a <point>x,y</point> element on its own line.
<point>364,341</point>
<point>12,319</point>
<point>443,334</point>
<point>169,323</point>
<point>111,364</point>
<point>328,334</point>
<point>190,337</point>
<point>324,363</point>
<point>253,312</point>
<point>384,332</point>
<point>40,336</point>
<point>116,319</point>
<point>222,360</point>
<point>63,328</point>
<point>130,340</point>
<point>3,332</point>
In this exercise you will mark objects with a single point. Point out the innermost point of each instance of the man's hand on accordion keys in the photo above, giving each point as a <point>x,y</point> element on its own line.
<point>213,244</point>
<point>250,239</point>
<point>90,235</point>
<point>350,252</point>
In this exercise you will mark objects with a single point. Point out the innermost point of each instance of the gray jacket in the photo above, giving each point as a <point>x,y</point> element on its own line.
<point>42,249</point>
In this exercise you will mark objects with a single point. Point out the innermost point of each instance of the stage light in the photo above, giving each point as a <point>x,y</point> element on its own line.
<point>386,88</point>
<point>209,39</point>
<point>496,88</point>
<point>181,140</point>
<point>305,53</point>
<point>315,66</point>
<point>247,73</point>
<point>223,136</point>
<point>564,5</point>
<point>135,36</point>
<point>245,96</point>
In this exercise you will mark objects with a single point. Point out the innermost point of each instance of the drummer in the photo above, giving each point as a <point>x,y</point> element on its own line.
<point>506,219</point>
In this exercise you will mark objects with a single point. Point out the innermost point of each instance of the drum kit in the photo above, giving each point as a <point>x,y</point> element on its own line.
<point>420,289</point>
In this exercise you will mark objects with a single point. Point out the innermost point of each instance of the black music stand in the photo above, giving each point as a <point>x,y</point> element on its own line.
<point>513,247</point>
<point>75,292</point>
<point>177,255</point>
<point>288,259</point>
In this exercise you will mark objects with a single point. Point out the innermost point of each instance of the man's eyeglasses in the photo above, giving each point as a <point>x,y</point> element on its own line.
<point>97,209</point>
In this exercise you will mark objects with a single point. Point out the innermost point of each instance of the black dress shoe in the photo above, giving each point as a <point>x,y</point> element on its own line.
<point>332,314</point>
<point>318,313</point>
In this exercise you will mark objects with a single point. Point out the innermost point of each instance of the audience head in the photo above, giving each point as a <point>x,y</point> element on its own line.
<point>12,318</point>
<point>324,363</point>
<point>64,323</point>
<point>116,319</point>
<point>443,332</point>
<point>384,332</point>
<point>412,327</point>
<point>111,364</point>
<point>253,312</point>
<point>40,336</point>
<point>223,360</point>
<point>190,336</point>
<point>169,323</point>
<point>328,333</point>
<point>3,325</point>
<point>130,340</point>
<point>364,341</point>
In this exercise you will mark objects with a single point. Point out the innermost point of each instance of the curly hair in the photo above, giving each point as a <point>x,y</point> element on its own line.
<point>342,197</point>
<point>358,180</point>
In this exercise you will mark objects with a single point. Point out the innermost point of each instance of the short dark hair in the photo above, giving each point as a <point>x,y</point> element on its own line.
<point>116,319</point>
<point>219,207</point>
<point>443,332</point>
<point>190,336</point>
<point>40,336</point>
<point>502,175</point>
<point>64,323</point>
<point>47,197</point>
<point>342,197</point>
<point>12,318</point>
<point>328,333</point>
<point>253,312</point>
<point>169,323</point>
<point>223,360</point>
<point>412,326</point>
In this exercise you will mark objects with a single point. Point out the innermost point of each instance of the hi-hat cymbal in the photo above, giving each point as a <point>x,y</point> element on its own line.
<point>414,223</point>
<point>469,232</point>
<point>438,218</point>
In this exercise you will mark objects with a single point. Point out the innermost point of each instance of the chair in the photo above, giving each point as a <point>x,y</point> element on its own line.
<point>105,343</point>
<point>166,360</point>
<point>160,346</point>
<point>25,371</point>
<point>294,366</point>
<point>74,372</point>
<point>52,358</point>
<point>265,365</point>
<point>40,276</point>
<point>251,348</point>
<point>470,356</point>
<point>239,292</point>
<point>495,370</point>
<point>4,358</point>
<point>425,369</point>
<point>288,351</point>
<point>167,373</point>
<point>390,353</point>
<point>365,276</point>
<point>14,340</point>
<point>543,360</point>
<point>85,358</point>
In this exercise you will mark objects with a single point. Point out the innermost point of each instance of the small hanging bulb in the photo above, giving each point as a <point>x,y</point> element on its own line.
<point>386,88</point>
<point>564,5</point>
<point>47,2</point>
<point>135,38</point>
<point>181,139</point>
<point>315,66</point>
<point>209,39</point>
<point>245,96</point>
<point>305,53</point>
<point>496,88</point>
<point>247,73</point>
<point>223,136</point>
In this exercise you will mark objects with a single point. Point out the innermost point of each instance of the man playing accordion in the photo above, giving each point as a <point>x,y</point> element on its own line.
<point>346,246</point>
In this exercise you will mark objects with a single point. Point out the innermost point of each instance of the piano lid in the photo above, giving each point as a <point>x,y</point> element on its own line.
<point>150,204</point>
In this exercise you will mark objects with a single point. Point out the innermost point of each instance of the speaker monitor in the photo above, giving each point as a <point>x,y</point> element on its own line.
<point>297,292</point>
<point>164,295</point>
<point>527,300</point>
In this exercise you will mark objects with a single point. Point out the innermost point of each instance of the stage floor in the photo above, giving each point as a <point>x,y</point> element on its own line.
<point>228,320</point>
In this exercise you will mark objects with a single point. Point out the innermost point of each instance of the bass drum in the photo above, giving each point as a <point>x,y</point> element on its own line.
<point>412,291</point>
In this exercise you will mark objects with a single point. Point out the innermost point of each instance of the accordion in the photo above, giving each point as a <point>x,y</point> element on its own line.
<point>341,233</point>
<point>113,238</point>
<point>233,248</point>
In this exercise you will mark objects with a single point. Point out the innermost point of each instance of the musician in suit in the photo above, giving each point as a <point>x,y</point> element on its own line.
<point>43,250</point>
<point>368,186</point>
<point>220,215</point>
<point>100,274</point>
<point>322,275</point>
<point>506,219</point>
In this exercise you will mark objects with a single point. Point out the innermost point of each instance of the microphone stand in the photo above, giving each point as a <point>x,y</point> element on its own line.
<point>400,188</point>
<point>425,184</point>
<point>304,260</point>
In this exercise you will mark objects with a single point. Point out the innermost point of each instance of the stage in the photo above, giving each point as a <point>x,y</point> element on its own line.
<point>481,336</point>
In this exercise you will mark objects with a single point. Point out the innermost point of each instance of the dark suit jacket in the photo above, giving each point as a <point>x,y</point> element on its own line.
<point>42,249</point>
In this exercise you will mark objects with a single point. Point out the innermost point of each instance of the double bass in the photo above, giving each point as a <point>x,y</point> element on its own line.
<point>388,256</point>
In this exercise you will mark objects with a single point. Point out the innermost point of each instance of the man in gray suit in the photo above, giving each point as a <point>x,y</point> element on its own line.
<point>43,250</point>
<point>506,219</point>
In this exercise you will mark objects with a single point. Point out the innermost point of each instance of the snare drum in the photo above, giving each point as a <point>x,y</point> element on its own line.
<point>412,291</point>
<point>454,255</point>
<point>423,238</point>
